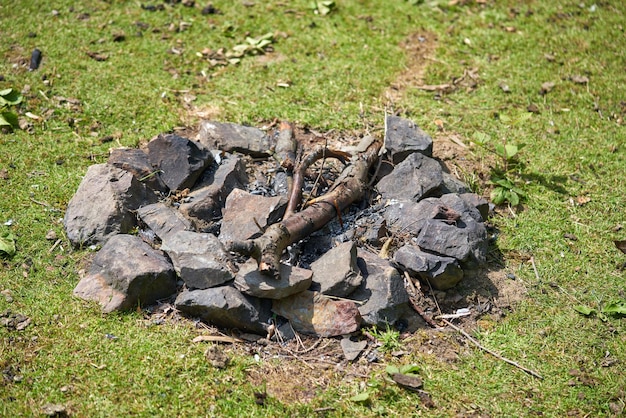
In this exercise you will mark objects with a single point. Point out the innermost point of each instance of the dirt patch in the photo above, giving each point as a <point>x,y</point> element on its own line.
<point>419,48</point>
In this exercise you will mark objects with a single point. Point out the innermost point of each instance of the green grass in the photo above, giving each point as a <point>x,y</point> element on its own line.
<point>338,67</point>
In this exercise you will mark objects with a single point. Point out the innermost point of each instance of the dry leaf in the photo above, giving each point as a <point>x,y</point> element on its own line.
<point>579,79</point>
<point>621,245</point>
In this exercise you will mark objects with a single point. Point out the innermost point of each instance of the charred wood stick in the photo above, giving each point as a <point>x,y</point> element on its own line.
<point>350,187</point>
<point>295,195</point>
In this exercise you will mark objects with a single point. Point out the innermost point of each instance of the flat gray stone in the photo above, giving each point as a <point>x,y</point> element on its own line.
<point>251,281</point>
<point>315,314</point>
<point>403,137</point>
<point>199,259</point>
<point>352,349</point>
<point>127,272</point>
<point>225,307</point>
<point>136,162</point>
<point>204,204</point>
<point>336,272</point>
<point>382,292</point>
<point>453,185</point>
<point>242,208</point>
<point>405,216</point>
<point>180,160</point>
<point>442,272</point>
<point>103,204</point>
<point>475,201</point>
<point>231,137</point>
<point>163,219</point>
<point>415,178</point>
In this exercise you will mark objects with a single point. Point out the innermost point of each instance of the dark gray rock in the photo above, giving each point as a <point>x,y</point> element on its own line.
<point>453,185</point>
<point>352,349</point>
<point>231,137</point>
<point>242,208</point>
<point>162,219</point>
<point>136,161</point>
<point>204,205</point>
<point>315,314</point>
<point>466,240</point>
<point>403,137</point>
<point>408,217</point>
<point>372,229</point>
<point>225,307</point>
<point>127,272</point>
<point>475,201</point>
<point>442,272</point>
<point>103,204</point>
<point>199,259</point>
<point>336,272</point>
<point>414,178</point>
<point>180,160</point>
<point>462,207</point>
<point>251,281</point>
<point>385,300</point>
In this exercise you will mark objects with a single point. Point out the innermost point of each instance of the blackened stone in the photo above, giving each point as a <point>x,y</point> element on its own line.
<point>315,314</point>
<point>136,161</point>
<point>125,273</point>
<point>162,219</point>
<point>231,137</point>
<point>336,272</point>
<point>103,204</point>
<point>225,307</point>
<point>414,178</point>
<point>403,137</point>
<point>199,259</point>
<point>409,217</point>
<point>442,272</point>
<point>462,206</point>
<point>453,185</point>
<point>204,205</point>
<point>251,281</point>
<point>180,160</point>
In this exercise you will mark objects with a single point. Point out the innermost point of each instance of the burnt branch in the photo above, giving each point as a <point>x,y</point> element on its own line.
<point>349,187</point>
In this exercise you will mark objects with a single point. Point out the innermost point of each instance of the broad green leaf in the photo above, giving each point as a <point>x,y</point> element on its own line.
<point>391,369</point>
<point>511,150</point>
<point>585,310</point>
<point>7,244</point>
<point>513,198</point>
<point>409,369</point>
<point>480,138</point>
<point>9,119</point>
<point>10,97</point>
<point>361,397</point>
<point>498,195</point>
<point>503,182</point>
<point>615,308</point>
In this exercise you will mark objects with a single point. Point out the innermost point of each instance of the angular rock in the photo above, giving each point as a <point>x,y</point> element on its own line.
<point>462,207</point>
<point>382,291</point>
<point>473,200</point>
<point>251,281</point>
<point>199,259</point>
<point>403,137</point>
<point>162,219</point>
<point>315,314</point>
<point>127,272</point>
<point>103,204</point>
<point>231,137</point>
<point>414,178</point>
<point>409,217</point>
<point>442,272</point>
<point>352,349</point>
<point>180,160</point>
<point>466,240</point>
<point>336,272</point>
<point>242,208</point>
<point>225,307</point>
<point>453,185</point>
<point>203,205</point>
<point>136,161</point>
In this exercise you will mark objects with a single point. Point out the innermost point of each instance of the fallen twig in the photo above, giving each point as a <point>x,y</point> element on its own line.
<point>532,262</point>
<point>493,353</point>
<point>413,299</point>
